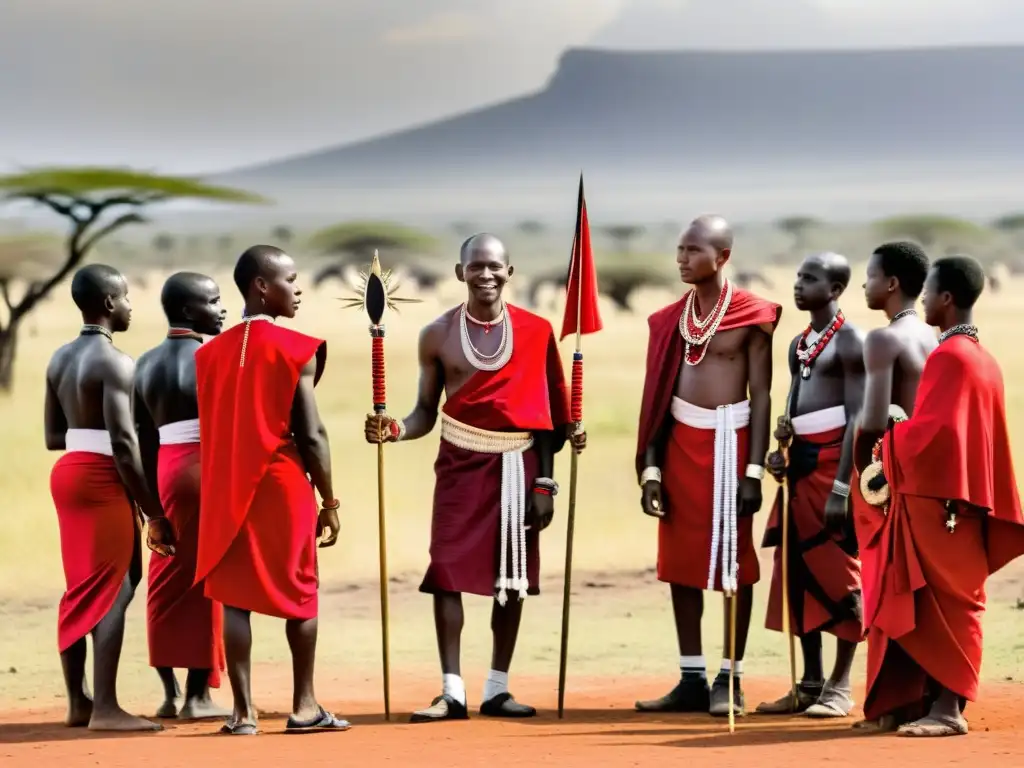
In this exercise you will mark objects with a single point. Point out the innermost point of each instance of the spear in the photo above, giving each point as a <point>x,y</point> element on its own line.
<point>376,296</point>
<point>581,316</point>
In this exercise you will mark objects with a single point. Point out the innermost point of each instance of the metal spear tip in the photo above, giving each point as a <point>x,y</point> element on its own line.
<point>375,296</point>
<point>375,264</point>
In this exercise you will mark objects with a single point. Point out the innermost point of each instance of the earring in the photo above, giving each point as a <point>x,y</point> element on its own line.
<point>263,301</point>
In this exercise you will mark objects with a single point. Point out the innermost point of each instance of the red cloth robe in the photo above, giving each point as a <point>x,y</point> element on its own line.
<point>924,620</point>
<point>684,535</point>
<point>257,527</point>
<point>184,627</point>
<point>99,540</point>
<point>824,572</point>
<point>528,394</point>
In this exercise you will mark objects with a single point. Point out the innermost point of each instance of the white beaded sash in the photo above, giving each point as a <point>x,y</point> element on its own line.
<point>180,432</point>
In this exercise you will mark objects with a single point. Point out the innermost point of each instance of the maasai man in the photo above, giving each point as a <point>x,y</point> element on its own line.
<point>184,627</point>
<point>894,357</point>
<point>953,517</point>
<point>258,526</point>
<point>826,363</point>
<point>95,486</point>
<point>701,451</point>
<point>506,414</point>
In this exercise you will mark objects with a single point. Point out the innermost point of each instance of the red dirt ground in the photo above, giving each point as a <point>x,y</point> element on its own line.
<point>599,729</point>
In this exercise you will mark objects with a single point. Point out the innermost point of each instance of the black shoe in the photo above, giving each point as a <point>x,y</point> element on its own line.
<point>690,695</point>
<point>719,705</point>
<point>504,705</point>
<point>444,707</point>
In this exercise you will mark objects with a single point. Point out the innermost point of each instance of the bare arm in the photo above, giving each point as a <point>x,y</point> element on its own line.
<point>423,417</point>
<point>851,354</point>
<point>149,438</point>
<point>117,415</point>
<point>759,365</point>
<point>55,423</point>
<point>311,434</point>
<point>879,359</point>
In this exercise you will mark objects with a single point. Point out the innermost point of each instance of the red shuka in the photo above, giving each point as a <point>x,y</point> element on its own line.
<point>929,592</point>
<point>184,627</point>
<point>257,529</point>
<point>824,572</point>
<point>684,535</point>
<point>527,395</point>
<point>99,537</point>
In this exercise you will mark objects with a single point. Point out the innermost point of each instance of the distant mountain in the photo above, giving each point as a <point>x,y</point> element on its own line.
<point>648,127</point>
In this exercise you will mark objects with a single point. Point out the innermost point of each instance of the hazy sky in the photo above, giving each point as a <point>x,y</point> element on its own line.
<point>199,85</point>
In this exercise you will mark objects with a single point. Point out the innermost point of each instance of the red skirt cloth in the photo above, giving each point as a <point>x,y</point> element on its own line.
<point>271,567</point>
<point>685,533</point>
<point>98,540</point>
<point>465,531</point>
<point>824,572</point>
<point>184,627</point>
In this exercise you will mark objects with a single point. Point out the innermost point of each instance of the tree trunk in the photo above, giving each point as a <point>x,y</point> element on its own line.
<point>8,350</point>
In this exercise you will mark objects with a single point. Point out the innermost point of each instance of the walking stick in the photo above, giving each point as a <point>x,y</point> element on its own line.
<point>733,611</point>
<point>787,630</point>
<point>376,297</point>
<point>576,414</point>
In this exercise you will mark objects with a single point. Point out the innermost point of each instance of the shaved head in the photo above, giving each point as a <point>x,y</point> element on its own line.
<point>834,265</point>
<point>483,243</point>
<point>181,289</point>
<point>93,284</point>
<point>714,230</point>
<point>254,263</point>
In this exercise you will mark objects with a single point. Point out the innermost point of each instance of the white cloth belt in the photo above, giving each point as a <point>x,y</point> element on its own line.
<point>511,446</point>
<point>180,432</point>
<point>88,441</point>
<point>725,420</point>
<point>819,421</point>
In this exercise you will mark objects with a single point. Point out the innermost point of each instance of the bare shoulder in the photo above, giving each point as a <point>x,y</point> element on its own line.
<point>881,347</point>
<point>850,340</point>
<point>435,332</point>
<point>116,368</point>
<point>58,360</point>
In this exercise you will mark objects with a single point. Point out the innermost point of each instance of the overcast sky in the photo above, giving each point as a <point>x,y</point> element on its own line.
<point>198,85</point>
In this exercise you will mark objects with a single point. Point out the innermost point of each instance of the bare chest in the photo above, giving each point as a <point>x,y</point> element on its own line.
<point>476,343</point>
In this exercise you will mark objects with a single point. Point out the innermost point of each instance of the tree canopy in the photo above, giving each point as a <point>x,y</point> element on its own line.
<point>929,229</point>
<point>359,239</point>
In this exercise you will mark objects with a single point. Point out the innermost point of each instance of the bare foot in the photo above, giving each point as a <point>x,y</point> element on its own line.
<point>203,709</point>
<point>119,720</point>
<point>884,724</point>
<point>935,726</point>
<point>79,714</point>
<point>168,709</point>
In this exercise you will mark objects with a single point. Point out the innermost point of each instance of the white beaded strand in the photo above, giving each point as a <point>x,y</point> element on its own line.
<point>476,358</point>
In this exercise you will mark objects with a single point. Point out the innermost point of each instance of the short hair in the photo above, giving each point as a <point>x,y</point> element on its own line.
<point>92,284</point>
<point>836,267</point>
<point>962,277</point>
<point>180,288</point>
<point>251,263</point>
<point>907,262</point>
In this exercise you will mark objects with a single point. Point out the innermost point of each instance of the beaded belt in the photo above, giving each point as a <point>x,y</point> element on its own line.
<point>511,446</point>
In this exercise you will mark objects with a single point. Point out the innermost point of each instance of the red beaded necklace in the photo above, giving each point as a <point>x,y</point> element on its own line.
<point>806,355</point>
<point>184,333</point>
<point>696,332</point>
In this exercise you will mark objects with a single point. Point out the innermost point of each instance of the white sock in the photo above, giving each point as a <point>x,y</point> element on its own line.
<point>694,665</point>
<point>497,683</point>
<point>454,687</point>
<point>727,665</point>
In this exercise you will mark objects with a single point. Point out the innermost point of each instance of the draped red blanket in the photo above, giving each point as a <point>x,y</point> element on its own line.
<point>824,572</point>
<point>257,530</point>
<point>528,394</point>
<point>926,622</point>
<point>665,356</point>
<point>184,627</point>
<point>684,534</point>
<point>98,539</point>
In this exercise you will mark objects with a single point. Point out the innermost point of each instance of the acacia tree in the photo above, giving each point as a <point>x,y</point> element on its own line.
<point>95,202</point>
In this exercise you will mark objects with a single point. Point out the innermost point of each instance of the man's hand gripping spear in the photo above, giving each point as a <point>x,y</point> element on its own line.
<point>377,296</point>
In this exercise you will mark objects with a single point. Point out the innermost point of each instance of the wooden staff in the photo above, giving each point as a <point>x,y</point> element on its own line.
<point>733,611</point>
<point>787,630</point>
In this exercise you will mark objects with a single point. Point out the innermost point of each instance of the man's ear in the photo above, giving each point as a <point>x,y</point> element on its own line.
<point>186,312</point>
<point>723,257</point>
<point>459,273</point>
<point>108,304</point>
<point>837,290</point>
<point>511,269</point>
